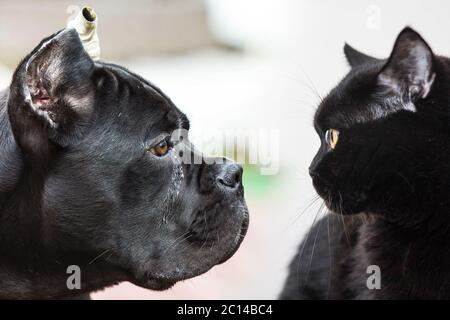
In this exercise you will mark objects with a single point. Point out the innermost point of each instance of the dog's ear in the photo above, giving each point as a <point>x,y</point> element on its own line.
<point>356,58</point>
<point>51,95</point>
<point>409,71</point>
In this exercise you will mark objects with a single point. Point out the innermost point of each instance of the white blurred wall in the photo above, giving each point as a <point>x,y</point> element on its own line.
<point>300,43</point>
<point>312,33</point>
<point>5,75</point>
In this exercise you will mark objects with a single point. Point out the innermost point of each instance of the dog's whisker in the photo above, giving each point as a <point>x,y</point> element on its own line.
<point>99,256</point>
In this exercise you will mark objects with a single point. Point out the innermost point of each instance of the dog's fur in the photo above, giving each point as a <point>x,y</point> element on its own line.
<point>78,185</point>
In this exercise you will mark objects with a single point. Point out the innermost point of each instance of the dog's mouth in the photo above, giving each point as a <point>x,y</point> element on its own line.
<point>212,219</point>
<point>198,259</point>
<point>239,239</point>
<point>163,283</point>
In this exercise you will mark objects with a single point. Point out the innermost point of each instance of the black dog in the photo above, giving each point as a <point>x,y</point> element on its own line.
<point>91,175</point>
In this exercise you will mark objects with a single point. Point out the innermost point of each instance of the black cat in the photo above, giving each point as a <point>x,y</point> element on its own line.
<point>383,169</point>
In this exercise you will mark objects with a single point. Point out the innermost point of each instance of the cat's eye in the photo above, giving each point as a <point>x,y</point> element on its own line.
<point>161,148</point>
<point>332,137</point>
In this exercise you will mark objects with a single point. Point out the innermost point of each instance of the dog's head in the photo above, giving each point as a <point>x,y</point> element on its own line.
<point>115,172</point>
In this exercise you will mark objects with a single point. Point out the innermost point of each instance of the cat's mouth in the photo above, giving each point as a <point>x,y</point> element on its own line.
<point>342,202</point>
<point>346,207</point>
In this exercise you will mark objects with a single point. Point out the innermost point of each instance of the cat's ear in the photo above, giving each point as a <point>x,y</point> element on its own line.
<point>51,93</point>
<point>356,58</point>
<point>409,71</point>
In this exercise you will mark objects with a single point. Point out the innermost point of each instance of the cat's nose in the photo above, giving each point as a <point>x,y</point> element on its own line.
<point>313,173</point>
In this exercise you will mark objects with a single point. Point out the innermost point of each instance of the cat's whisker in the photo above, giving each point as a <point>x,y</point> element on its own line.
<point>306,82</point>
<point>310,84</point>
<point>310,204</point>
<point>323,213</point>
<point>305,241</point>
<point>310,104</point>
<point>330,260</point>
<point>406,181</point>
<point>341,201</point>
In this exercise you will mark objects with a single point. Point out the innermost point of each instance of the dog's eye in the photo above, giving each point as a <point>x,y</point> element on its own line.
<point>332,137</point>
<point>161,148</point>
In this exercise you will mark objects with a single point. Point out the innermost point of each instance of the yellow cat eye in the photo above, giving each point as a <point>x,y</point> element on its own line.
<point>332,137</point>
<point>160,149</point>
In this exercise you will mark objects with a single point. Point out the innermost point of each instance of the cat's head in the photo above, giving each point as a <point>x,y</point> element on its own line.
<point>377,148</point>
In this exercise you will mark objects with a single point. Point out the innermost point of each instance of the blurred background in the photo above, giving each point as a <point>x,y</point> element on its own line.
<point>239,66</point>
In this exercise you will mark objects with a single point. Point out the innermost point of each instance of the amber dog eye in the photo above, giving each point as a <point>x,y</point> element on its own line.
<point>332,137</point>
<point>160,149</point>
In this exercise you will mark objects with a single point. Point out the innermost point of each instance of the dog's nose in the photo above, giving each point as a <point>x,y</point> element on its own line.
<point>230,176</point>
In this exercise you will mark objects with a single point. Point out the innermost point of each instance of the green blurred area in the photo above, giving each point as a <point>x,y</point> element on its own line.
<point>256,185</point>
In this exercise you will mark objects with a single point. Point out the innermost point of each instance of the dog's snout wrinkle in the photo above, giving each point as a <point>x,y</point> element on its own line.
<point>230,176</point>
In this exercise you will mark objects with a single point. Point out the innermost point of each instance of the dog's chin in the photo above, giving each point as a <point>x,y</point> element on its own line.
<point>238,240</point>
<point>156,284</point>
<point>164,281</point>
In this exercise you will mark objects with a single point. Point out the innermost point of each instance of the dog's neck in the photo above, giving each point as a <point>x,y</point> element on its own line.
<point>10,155</point>
<point>21,186</point>
<point>20,232</point>
<point>50,281</point>
<point>11,171</point>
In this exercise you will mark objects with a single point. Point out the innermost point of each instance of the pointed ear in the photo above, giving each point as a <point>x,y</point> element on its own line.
<point>51,94</point>
<point>409,71</point>
<point>356,58</point>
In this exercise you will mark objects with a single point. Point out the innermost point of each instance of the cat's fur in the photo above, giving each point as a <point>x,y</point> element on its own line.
<point>387,182</point>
